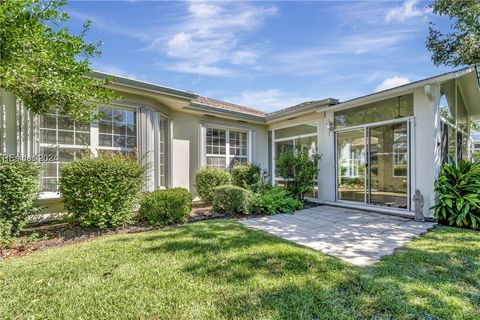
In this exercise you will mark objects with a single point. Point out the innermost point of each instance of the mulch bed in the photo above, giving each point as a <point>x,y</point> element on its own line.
<point>56,234</point>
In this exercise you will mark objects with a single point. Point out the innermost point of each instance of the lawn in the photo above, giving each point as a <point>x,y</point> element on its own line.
<point>223,270</point>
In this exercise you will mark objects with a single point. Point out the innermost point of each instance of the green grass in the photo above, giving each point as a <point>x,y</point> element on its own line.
<point>223,270</point>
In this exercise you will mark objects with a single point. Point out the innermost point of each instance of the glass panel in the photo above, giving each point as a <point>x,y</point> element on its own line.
<point>389,165</point>
<point>351,165</point>
<point>105,127</point>
<point>282,147</point>
<point>216,141</point>
<point>393,108</point>
<point>236,160</point>
<point>131,142</point>
<point>65,123</point>
<point>119,141</point>
<point>49,121</point>
<point>119,128</point>
<point>49,169</point>
<point>65,137</point>
<point>309,143</point>
<point>48,136</point>
<point>302,129</point>
<point>105,140</point>
<point>217,162</point>
<point>82,138</point>
<point>118,116</point>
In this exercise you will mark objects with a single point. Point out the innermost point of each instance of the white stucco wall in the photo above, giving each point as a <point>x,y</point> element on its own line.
<point>186,141</point>
<point>326,181</point>
<point>424,148</point>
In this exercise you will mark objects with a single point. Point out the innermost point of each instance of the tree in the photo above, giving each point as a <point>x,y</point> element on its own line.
<point>461,45</point>
<point>299,168</point>
<point>44,65</point>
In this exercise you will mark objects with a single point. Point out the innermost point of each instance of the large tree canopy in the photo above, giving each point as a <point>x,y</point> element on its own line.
<point>45,65</point>
<point>461,45</point>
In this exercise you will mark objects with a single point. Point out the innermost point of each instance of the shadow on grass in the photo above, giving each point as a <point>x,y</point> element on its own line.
<point>435,277</point>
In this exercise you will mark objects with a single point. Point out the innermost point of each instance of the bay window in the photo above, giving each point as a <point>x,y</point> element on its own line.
<point>63,140</point>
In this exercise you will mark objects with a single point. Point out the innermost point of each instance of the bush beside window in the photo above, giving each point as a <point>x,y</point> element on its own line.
<point>231,199</point>
<point>246,176</point>
<point>458,194</point>
<point>19,188</point>
<point>207,179</point>
<point>299,169</point>
<point>164,207</point>
<point>101,191</point>
<point>274,200</point>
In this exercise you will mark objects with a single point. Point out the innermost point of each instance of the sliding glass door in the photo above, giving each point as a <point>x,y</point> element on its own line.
<point>373,164</point>
<point>388,165</point>
<point>351,164</point>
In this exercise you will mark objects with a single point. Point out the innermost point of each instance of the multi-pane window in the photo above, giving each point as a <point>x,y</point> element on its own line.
<point>225,147</point>
<point>61,140</point>
<point>238,146</point>
<point>117,129</point>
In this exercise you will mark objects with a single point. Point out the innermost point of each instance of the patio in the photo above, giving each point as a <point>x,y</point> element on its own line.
<point>358,237</point>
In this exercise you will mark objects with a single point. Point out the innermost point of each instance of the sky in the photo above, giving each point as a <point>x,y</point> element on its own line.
<point>265,55</point>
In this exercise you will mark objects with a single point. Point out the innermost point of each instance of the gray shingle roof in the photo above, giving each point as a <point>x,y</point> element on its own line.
<point>228,106</point>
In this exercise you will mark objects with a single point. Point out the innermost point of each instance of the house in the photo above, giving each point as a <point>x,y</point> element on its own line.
<point>376,150</point>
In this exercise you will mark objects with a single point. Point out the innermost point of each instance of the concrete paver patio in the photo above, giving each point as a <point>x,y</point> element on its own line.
<point>355,236</point>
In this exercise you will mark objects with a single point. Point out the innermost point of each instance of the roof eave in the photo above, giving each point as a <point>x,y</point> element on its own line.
<point>399,90</point>
<point>225,112</point>
<point>281,114</point>
<point>131,83</point>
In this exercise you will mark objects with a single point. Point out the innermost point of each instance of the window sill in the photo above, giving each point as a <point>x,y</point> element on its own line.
<point>49,195</point>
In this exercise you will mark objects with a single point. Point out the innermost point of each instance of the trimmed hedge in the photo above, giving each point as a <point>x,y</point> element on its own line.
<point>101,191</point>
<point>246,176</point>
<point>163,207</point>
<point>208,179</point>
<point>231,199</point>
<point>19,188</point>
<point>274,200</point>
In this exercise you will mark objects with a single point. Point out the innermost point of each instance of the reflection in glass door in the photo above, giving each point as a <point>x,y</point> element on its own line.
<point>351,165</point>
<point>373,165</point>
<point>388,165</point>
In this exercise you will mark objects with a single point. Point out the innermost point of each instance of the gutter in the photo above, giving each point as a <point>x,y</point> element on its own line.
<point>144,85</point>
<point>287,112</point>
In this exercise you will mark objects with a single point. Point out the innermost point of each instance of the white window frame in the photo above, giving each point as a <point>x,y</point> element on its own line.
<point>203,142</point>
<point>93,147</point>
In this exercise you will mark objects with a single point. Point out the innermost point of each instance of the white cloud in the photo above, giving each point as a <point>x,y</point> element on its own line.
<point>267,100</point>
<point>406,11</point>
<point>244,57</point>
<point>207,70</point>
<point>392,82</point>
<point>210,35</point>
<point>116,70</point>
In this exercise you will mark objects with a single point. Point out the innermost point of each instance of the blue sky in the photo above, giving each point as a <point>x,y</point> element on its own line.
<point>266,55</point>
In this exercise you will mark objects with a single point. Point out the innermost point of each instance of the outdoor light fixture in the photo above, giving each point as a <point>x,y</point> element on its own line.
<point>330,126</point>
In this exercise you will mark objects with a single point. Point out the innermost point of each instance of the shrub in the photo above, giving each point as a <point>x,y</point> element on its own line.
<point>101,191</point>
<point>231,199</point>
<point>458,194</point>
<point>163,207</point>
<point>246,175</point>
<point>299,168</point>
<point>209,178</point>
<point>19,188</point>
<point>274,200</point>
